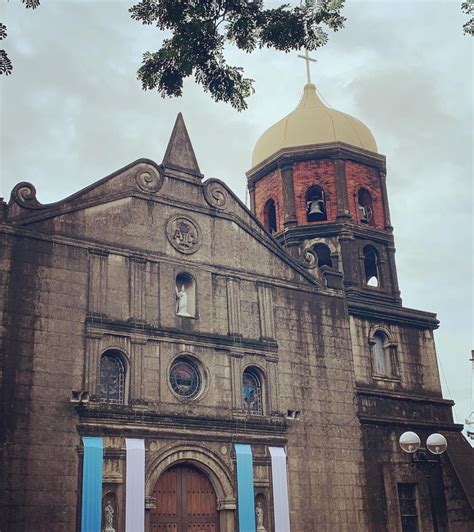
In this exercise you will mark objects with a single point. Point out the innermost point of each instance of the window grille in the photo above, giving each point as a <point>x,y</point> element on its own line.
<point>185,378</point>
<point>252,393</point>
<point>112,378</point>
<point>408,507</point>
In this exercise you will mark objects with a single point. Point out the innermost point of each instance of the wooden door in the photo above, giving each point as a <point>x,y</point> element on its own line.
<point>185,502</point>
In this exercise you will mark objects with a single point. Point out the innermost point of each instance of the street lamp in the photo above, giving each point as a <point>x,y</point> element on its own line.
<point>436,444</point>
<point>410,443</point>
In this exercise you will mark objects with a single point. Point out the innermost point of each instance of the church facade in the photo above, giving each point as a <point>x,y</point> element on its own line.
<point>173,359</point>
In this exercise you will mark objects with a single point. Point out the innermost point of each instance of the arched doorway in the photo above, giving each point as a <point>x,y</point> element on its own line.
<point>185,502</point>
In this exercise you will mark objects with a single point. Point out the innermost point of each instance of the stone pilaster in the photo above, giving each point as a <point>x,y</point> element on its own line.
<point>342,198</point>
<point>98,264</point>
<point>137,267</point>
<point>265,307</point>
<point>289,206</point>
<point>233,305</point>
<point>386,208</point>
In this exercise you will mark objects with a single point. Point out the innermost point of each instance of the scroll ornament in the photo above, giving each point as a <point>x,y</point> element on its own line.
<point>216,194</point>
<point>25,195</point>
<point>149,180</point>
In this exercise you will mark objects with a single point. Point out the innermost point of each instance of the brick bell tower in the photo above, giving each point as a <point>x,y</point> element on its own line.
<point>317,184</point>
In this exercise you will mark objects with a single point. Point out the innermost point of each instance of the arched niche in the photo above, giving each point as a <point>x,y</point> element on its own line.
<point>186,300</point>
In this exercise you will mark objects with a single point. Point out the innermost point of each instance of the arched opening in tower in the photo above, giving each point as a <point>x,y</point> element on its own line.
<point>270,216</point>
<point>371,259</point>
<point>324,255</point>
<point>366,207</point>
<point>315,204</point>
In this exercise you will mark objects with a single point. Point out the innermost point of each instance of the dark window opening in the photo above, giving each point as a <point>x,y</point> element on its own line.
<point>112,378</point>
<point>270,216</point>
<point>324,255</point>
<point>371,266</point>
<point>366,208</point>
<point>252,393</point>
<point>315,204</point>
<point>408,507</point>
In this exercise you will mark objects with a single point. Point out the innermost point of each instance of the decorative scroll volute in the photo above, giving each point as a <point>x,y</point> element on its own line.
<point>149,179</point>
<point>216,194</point>
<point>25,195</point>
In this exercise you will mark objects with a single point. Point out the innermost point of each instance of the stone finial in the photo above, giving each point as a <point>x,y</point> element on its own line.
<point>180,153</point>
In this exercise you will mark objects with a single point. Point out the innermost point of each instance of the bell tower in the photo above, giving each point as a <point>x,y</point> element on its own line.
<point>317,183</point>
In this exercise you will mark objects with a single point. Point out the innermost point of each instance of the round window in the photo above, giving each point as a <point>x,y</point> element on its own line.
<point>184,378</point>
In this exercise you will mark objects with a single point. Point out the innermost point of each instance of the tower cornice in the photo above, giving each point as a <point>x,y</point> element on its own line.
<point>329,150</point>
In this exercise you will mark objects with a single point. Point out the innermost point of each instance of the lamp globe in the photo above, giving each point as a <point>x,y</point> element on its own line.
<point>409,442</point>
<point>436,443</point>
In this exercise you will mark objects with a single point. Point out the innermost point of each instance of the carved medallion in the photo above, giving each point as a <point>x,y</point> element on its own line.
<point>184,234</point>
<point>149,180</point>
<point>216,194</point>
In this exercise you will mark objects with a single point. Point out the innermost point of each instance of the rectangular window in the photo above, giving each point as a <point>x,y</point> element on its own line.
<point>408,507</point>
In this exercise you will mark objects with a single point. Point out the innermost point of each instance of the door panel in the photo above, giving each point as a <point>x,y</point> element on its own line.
<point>185,502</point>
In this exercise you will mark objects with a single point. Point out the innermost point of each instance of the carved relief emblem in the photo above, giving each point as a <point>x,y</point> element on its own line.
<point>184,234</point>
<point>215,194</point>
<point>149,180</point>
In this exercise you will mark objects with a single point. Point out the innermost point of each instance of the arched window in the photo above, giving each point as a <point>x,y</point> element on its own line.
<point>324,255</point>
<point>252,393</point>
<point>270,216</point>
<point>315,204</point>
<point>185,295</point>
<point>380,362</point>
<point>366,208</point>
<point>112,378</point>
<point>371,270</point>
<point>384,355</point>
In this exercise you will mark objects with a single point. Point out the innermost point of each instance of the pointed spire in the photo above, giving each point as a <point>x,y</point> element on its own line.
<point>180,153</point>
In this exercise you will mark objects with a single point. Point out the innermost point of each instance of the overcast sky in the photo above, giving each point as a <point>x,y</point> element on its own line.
<point>73,112</point>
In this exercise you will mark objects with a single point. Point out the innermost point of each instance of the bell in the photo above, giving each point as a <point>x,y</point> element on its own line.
<point>315,207</point>
<point>365,214</point>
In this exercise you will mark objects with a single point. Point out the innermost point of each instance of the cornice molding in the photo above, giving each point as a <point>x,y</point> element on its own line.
<point>330,150</point>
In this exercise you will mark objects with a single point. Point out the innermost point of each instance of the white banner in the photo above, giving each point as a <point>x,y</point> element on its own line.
<point>280,489</point>
<point>135,486</point>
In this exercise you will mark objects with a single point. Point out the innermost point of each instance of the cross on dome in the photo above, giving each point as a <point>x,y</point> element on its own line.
<point>307,58</point>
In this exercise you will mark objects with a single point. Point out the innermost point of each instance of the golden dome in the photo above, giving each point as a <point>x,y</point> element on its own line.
<point>312,122</point>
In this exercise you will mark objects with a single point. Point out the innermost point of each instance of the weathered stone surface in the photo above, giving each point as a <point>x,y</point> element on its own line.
<point>98,272</point>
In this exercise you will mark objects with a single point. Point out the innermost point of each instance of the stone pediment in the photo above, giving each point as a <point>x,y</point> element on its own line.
<point>157,210</point>
<point>137,206</point>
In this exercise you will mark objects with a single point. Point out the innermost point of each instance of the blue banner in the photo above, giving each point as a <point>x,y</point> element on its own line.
<point>92,484</point>
<point>245,500</point>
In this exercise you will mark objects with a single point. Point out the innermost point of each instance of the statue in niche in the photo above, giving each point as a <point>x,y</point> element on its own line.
<point>182,302</point>
<point>259,516</point>
<point>109,518</point>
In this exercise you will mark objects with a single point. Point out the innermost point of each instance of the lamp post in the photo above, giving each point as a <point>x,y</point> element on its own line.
<point>436,444</point>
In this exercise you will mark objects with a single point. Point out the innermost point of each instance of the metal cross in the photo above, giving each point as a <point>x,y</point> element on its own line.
<point>307,59</point>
